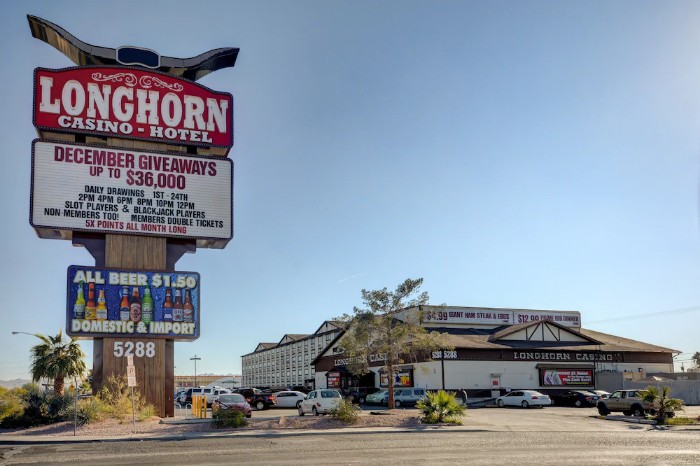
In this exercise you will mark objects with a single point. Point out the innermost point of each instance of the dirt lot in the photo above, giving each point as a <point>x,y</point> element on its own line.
<point>114,428</point>
<point>557,419</point>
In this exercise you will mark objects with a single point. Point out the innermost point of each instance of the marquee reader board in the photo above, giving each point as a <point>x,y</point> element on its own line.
<point>132,303</point>
<point>491,316</point>
<point>132,103</point>
<point>109,189</point>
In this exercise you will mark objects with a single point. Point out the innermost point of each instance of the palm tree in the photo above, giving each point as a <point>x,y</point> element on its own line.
<point>439,407</point>
<point>662,400</point>
<point>56,358</point>
<point>696,359</point>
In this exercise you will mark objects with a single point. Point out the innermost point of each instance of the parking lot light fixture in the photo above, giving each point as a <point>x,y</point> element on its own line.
<point>195,359</point>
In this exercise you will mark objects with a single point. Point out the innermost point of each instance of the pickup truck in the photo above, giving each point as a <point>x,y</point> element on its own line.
<point>630,402</point>
<point>257,398</point>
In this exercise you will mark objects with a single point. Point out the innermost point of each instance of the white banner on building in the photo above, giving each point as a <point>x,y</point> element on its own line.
<point>437,315</point>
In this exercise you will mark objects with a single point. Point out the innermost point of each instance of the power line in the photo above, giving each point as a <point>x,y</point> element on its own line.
<point>649,314</point>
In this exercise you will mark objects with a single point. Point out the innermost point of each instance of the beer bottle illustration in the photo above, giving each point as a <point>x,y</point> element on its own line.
<point>125,307</point>
<point>178,312</point>
<point>135,305</point>
<point>168,306</point>
<point>91,306</point>
<point>79,306</point>
<point>147,306</point>
<point>188,310</point>
<point>101,311</point>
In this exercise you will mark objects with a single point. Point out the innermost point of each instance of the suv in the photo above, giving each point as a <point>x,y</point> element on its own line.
<point>186,397</point>
<point>408,396</point>
<point>630,402</point>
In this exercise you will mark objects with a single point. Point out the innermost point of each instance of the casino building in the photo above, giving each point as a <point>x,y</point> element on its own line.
<point>495,350</point>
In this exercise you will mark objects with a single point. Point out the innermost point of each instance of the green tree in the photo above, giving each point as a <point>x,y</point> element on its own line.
<point>389,325</point>
<point>57,358</point>
<point>696,358</point>
<point>663,403</point>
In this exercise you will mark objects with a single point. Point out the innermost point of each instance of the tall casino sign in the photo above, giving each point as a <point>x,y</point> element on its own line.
<point>131,163</point>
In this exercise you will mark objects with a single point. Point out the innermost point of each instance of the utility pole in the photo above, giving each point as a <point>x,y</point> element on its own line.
<point>195,359</point>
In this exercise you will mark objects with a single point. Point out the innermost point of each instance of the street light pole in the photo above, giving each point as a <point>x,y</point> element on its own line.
<point>27,333</point>
<point>195,359</point>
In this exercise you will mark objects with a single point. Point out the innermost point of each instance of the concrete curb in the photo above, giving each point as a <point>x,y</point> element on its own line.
<point>46,439</point>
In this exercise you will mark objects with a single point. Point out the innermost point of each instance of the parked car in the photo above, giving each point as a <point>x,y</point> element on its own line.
<point>216,392</point>
<point>601,393</point>
<point>319,402</point>
<point>234,401</point>
<point>359,394</point>
<point>630,402</point>
<point>195,391</point>
<point>578,398</point>
<point>289,398</point>
<point>524,398</point>
<point>257,398</point>
<point>182,394</point>
<point>407,396</point>
<point>380,397</point>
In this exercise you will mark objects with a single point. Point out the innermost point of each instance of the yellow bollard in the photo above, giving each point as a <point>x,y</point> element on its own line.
<point>199,406</point>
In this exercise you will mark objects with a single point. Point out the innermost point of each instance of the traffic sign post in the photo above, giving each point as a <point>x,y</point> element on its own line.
<point>131,382</point>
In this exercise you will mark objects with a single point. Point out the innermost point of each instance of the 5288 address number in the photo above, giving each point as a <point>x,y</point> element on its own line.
<point>139,349</point>
<point>444,354</point>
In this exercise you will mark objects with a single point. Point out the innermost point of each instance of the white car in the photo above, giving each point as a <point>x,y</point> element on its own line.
<point>320,402</point>
<point>524,398</point>
<point>289,398</point>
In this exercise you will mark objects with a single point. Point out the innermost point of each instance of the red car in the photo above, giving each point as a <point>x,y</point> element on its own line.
<point>232,401</point>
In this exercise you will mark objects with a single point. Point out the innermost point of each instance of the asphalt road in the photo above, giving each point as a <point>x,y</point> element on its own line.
<point>433,448</point>
<point>490,436</point>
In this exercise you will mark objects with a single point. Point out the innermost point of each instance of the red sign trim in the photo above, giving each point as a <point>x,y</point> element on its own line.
<point>132,103</point>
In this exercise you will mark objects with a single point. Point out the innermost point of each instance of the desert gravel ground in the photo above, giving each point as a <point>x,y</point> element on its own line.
<point>115,428</point>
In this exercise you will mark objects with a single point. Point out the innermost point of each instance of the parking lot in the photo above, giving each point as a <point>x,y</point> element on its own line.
<point>551,418</point>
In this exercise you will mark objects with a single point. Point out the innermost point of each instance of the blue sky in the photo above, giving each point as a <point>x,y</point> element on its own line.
<point>538,155</point>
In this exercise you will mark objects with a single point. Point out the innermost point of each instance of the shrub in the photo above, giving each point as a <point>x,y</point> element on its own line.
<point>116,398</point>
<point>90,410</point>
<point>681,421</point>
<point>60,407</point>
<point>28,407</point>
<point>228,418</point>
<point>440,407</point>
<point>11,404</point>
<point>665,405</point>
<point>346,411</point>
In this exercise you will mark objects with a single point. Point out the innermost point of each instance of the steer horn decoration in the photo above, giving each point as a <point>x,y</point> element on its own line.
<point>84,54</point>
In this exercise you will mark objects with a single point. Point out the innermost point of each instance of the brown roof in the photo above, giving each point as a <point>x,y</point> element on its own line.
<point>517,327</point>
<point>485,340</point>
